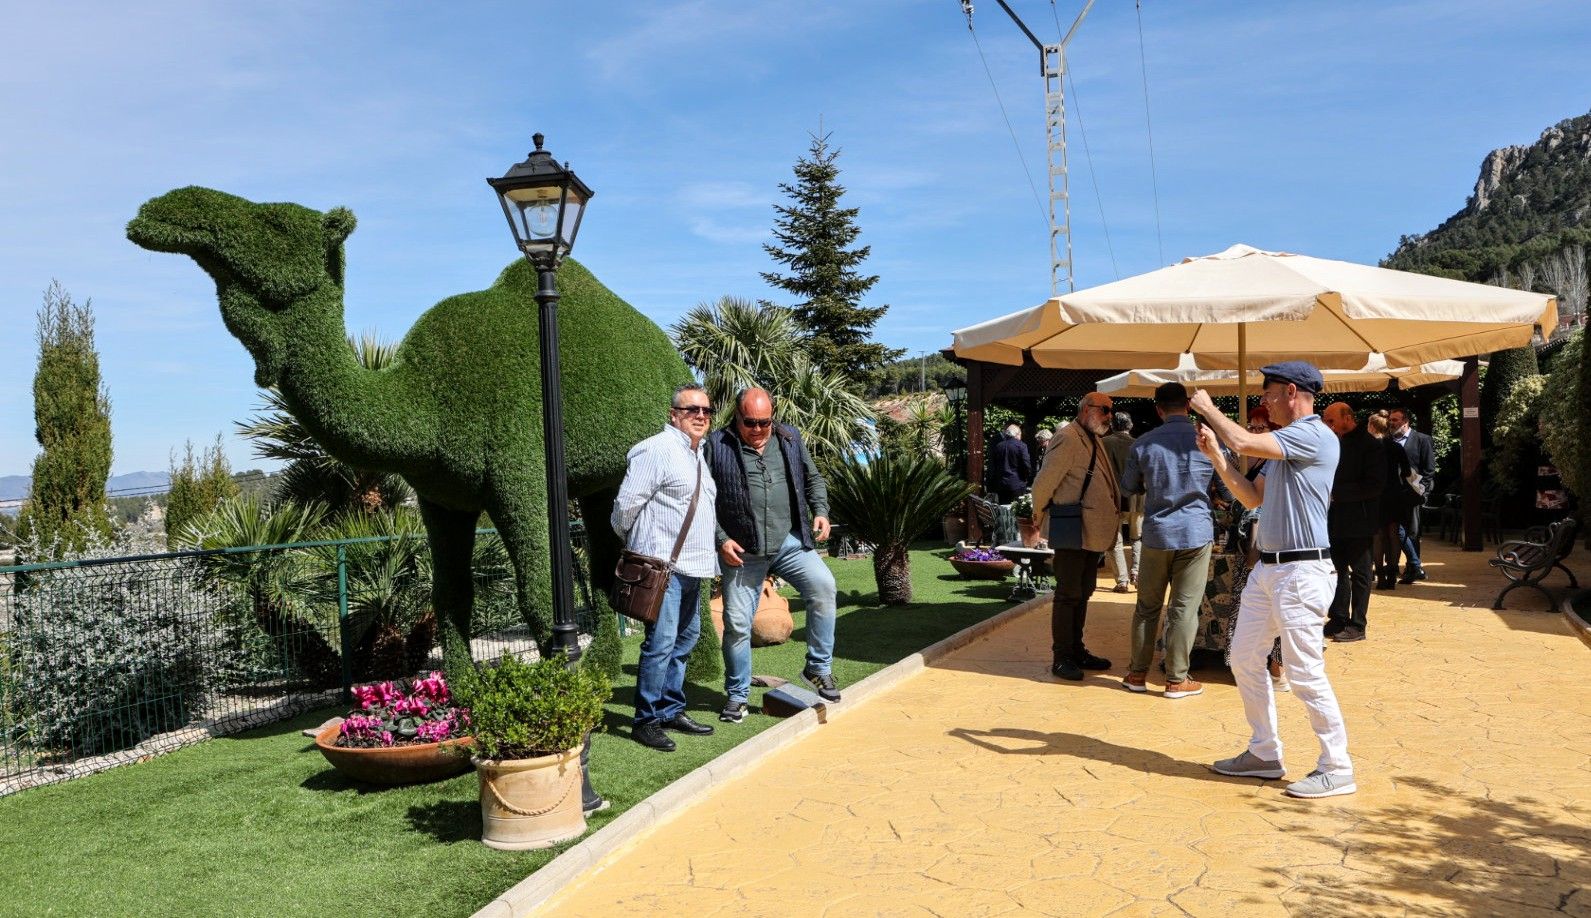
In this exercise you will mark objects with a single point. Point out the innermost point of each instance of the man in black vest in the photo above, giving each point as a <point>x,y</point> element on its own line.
<point>1352,520</point>
<point>771,502</point>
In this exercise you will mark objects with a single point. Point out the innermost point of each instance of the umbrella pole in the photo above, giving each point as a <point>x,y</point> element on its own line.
<point>1242,386</point>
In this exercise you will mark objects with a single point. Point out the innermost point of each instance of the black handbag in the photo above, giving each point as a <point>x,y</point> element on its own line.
<point>1066,520</point>
<point>639,581</point>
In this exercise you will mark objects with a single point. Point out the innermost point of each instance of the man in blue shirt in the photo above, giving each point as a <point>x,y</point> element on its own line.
<point>668,487</point>
<point>1165,465</point>
<point>1291,587</point>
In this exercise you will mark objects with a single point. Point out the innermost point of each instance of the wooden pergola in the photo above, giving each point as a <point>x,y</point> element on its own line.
<point>989,381</point>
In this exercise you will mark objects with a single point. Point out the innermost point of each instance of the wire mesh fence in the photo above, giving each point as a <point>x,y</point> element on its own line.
<point>106,660</point>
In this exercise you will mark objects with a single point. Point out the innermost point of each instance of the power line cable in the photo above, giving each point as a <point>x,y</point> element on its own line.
<point>1154,180</point>
<point>1077,108</point>
<point>1043,214</point>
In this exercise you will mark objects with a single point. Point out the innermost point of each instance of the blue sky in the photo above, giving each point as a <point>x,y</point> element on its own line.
<point>1326,128</point>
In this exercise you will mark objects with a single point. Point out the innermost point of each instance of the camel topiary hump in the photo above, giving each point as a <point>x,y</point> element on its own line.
<point>481,353</point>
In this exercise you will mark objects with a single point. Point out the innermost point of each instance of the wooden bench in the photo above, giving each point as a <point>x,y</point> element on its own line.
<point>1528,562</point>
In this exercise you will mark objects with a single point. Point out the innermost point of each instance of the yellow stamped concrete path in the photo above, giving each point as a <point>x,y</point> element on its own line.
<point>983,786</point>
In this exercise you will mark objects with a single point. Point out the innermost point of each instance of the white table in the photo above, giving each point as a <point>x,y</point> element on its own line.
<point>1029,581</point>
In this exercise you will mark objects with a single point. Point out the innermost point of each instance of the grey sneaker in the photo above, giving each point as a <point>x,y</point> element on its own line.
<point>733,713</point>
<point>1248,765</point>
<point>1320,784</point>
<point>823,684</point>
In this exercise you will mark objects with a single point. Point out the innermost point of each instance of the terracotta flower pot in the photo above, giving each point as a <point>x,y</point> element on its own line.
<point>1029,531</point>
<point>770,624</point>
<point>955,528</point>
<point>530,803</point>
<point>415,764</point>
<point>983,570</point>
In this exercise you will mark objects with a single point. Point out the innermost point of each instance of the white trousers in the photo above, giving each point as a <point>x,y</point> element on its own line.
<point>1290,601</point>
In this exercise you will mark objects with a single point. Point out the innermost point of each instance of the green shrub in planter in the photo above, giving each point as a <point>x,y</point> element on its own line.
<point>524,710</point>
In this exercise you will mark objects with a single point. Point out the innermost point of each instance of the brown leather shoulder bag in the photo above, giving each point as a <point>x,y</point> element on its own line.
<point>639,581</point>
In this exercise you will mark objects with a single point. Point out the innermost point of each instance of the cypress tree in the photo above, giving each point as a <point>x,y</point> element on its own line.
<point>1503,372</point>
<point>71,414</point>
<point>814,236</point>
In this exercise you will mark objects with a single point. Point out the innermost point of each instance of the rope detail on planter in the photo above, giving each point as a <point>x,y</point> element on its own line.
<point>571,785</point>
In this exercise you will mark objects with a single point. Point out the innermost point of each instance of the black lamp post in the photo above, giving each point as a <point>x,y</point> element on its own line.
<point>544,202</point>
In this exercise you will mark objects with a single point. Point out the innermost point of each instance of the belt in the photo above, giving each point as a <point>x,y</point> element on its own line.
<point>1288,557</point>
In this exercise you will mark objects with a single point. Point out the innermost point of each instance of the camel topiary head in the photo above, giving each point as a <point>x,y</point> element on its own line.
<point>264,258</point>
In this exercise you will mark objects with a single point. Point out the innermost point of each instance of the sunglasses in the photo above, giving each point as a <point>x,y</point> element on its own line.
<point>757,423</point>
<point>700,411</point>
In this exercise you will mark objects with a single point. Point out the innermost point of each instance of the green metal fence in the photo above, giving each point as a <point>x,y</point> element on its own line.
<point>110,659</point>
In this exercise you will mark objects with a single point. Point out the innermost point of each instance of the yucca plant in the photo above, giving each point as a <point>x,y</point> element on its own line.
<point>887,499</point>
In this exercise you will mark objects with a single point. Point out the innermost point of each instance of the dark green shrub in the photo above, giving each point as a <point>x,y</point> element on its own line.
<point>707,657</point>
<point>605,654</point>
<point>103,658</point>
<point>523,710</point>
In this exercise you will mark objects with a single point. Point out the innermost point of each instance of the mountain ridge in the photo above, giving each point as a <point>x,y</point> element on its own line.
<point>1529,203</point>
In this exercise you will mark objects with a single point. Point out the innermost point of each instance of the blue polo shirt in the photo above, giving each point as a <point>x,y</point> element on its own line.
<point>1165,466</point>
<point>1298,487</point>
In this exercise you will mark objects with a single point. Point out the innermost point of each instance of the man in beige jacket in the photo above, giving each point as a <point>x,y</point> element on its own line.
<point>1078,470</point>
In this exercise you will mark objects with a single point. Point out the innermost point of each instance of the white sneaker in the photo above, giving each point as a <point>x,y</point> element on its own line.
<point>1280,683</point>
<point>1320,784</point>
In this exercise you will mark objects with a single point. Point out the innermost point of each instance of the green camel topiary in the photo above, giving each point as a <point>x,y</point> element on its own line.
<point>458,413</point>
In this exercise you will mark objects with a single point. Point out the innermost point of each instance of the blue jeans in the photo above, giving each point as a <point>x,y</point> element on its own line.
<point>660,677</point>
<point>1409,541</point>
<point>805,571</point>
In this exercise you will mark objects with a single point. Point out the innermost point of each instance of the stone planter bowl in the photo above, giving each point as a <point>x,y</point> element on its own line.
<point>983,570</point>
<point>397,764</point>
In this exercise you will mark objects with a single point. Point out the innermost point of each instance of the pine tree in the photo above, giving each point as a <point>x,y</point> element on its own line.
<point>71,413</point>
<point>814,234</point>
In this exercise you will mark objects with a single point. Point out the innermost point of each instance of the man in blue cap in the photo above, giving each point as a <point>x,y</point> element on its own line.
<point>1292,586</point>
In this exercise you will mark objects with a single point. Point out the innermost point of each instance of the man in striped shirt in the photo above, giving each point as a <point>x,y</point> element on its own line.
<point>664,472</point>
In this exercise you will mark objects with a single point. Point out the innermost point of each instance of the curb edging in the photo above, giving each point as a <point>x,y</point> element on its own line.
<point>1571,619</point>
<point>529,894</point>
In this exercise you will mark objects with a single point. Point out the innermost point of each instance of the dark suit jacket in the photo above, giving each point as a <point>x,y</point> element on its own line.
<point>1010,468</point>
<point>1356,490</point>
<point>1421,450</point>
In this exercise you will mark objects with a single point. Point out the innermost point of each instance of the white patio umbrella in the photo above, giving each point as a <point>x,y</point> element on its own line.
<point>1374,376</point>
<point>1249,307</point>
<point>1245,307</point>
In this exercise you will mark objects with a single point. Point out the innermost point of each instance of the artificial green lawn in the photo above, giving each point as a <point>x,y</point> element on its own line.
<point>259,824</point>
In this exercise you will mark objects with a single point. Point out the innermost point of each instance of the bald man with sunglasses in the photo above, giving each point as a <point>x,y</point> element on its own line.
<point>772,501</point>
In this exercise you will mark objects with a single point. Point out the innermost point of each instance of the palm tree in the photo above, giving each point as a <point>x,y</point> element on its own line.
<point>311,475</point>
<point>388,581</point>
<point>736,344</point>
<point>273,580</point>
<point>887,499</point>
